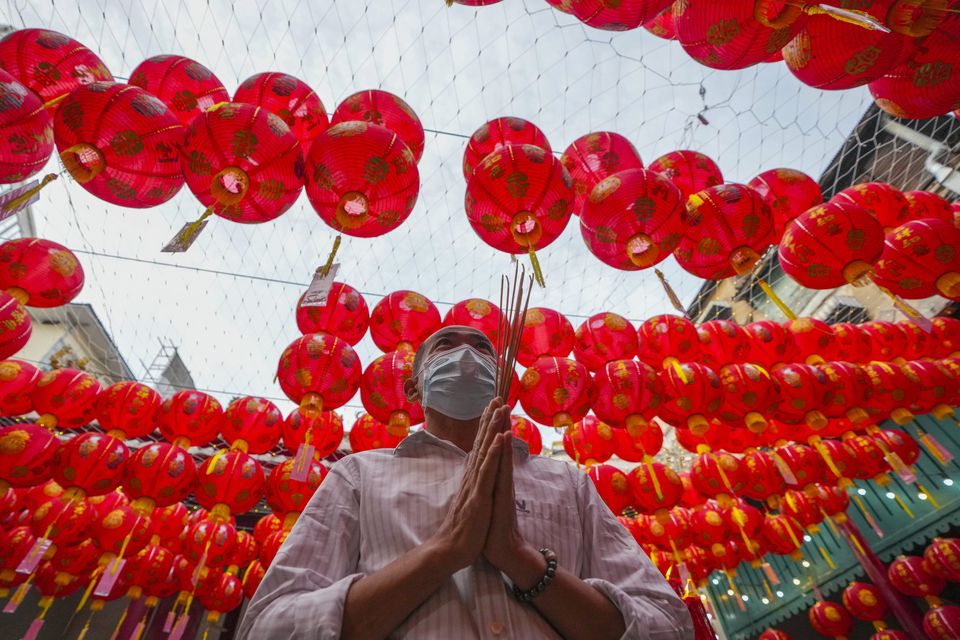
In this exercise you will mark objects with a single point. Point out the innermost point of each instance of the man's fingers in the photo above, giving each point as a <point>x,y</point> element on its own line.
<point>488,468</point>
<point>489,429</point>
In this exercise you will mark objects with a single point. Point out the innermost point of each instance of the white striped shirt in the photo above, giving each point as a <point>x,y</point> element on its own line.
<point>376,505</point>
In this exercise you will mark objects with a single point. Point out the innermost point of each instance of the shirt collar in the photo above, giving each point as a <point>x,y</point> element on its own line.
<point>419,440</point>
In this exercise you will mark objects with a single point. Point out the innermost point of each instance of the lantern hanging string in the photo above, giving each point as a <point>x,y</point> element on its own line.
<point>325,269</point>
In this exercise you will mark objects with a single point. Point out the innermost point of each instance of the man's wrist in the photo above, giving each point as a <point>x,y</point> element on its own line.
<point>526,568</point>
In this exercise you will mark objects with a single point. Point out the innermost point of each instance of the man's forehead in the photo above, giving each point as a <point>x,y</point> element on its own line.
<point>455,331</point>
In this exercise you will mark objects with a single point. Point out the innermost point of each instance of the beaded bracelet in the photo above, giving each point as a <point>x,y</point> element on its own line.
<point>528,596</point>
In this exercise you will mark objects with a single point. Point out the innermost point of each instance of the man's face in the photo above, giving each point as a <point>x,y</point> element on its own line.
<point>444,340</point>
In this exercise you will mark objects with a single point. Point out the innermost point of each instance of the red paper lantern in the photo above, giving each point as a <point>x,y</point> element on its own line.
<point>611,484</point>
<point>65,398</point>
<point>159,475</point>
<point>90,463</point>
<point>39,273</point>
<point>692,395</point>
<point>382,394</point>
<point>656,488</point>
<point>673,534</point>
<point>594,157</point>
<point>120,143</point>
<point>54,584</point>
<point>868,459</point>
<point>152,564</point>
<point>663,25</point>
<point>369,433</point>
<point>270,547</point>
<point>288,98</point>
<point>220,595</point>
<point>556,392</point>
<point>762,478</point>
<point>804,462</point>
<point>76,559</point>
<point>17,381</point>
<point>942,623</point>
<point>187,87</point>
<point>864,602</point>
<point>402,320</point>
<point>925,84</point>
<point>888,340</point>
<point>344,315</point>
<point>129,408</point>
<point>210,540</point>
<point>718,475</point>
<point>252,424</point>
<point>833,500</point>
<point>886,203</point>
<point>831,245</point>
<point>899,443</point>
<point>265,526</point>
<point>893,392</point>
<point>639,447</point>
<point>666,339</point>
<point>497,134</point>
<point>63,522</point>
<point>804,392</point>
<point>782,535</point>
<point>121,531</point>
<point>229,482</point>
<point>831,54</point>
<point>725,230</point>
<point>774,634</point>
<point>545,333</point>
<point>26,455</point>
<point>926,204</point>
<point>850,393</point>
<point>689,171</point>
<point>479,314</point>
<point>729,34</point>
<point>319,371</point>
<point>830,619</point>
<point>616,17</point>
<point>771,344</point>
<point>722,342</point>
<point>631,220</point>
<point>189,418</point>
<point>50,63</point>
<point>288,497</point>
<point>796,505</point>
<point>589,441</point>
<point>26,131</point>
<point>242,163</point>
<point>386,110</point>
<point>362,179</point>
<point>788,193</point>
<point>920,259</point>
<point>942,559</point>
<point>918,340</point>
<point>909,576</point>
<point>749,395</point>
<point>252,578</point>
<point>15,327</point>
<point>628,394</point>
<point>852,344</point>
<point>525,430</point>
<point>323,432</point>
<point>933,385</point>
<point>518,199</point>
<point>708,525</point>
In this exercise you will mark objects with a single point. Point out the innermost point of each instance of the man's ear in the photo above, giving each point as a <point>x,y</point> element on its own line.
<point>410,390</point>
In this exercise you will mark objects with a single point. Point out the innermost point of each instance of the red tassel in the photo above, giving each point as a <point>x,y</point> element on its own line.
<point>702,629</point>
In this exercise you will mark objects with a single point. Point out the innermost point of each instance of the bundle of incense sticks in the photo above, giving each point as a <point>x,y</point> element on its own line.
<point>514,299</point>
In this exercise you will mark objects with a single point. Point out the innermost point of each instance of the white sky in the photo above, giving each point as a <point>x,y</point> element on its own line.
<point>457,67</point>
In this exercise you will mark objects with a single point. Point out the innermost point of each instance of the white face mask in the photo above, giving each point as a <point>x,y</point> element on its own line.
<point>458,383</point>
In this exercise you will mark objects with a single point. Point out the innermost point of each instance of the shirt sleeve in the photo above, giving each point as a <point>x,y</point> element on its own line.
<point>615,565</point>
<point>304,591</point>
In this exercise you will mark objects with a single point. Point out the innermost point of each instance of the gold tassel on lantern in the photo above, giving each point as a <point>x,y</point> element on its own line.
<point>25,197</point>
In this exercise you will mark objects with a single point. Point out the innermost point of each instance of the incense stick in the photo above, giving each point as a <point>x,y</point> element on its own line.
<point>513,312</point>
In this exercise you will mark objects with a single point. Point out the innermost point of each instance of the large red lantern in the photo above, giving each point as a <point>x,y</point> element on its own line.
<point>187,87</point>
<point>242,163</point>
<point>762,478</point>
<point>189,418</point>
<point>631,220</point>
<point>865,602</point>
<point>893,392</point>
<point>887,339</point>
<point>65,398</point>
<point>708,525</point>
<point>782,535</point>
<point>850,393</point>
<point>90,464</point>
<point>725,230</point>
<point>628,394</point>
<point>788,193</point>
<point>868,458</point>
<point>774,634</point>
<point>804,391</point>
<point>369,433</point>
<point>886,203</point>
<point>638,447</point>
<point>518,200</point>
<point>611,484</point>
<point>344,315</point>
<point>159,475</point>
<point>362,180</point>
<point>556,392</point>
<point>667,339</point>
<point>852,344</point>
<point>527,432</point>
<point>921,258</point>
<point>26,455</point>
<point>219,595</point>
<point>918,340</point>
<point>831,245</point>
<point>722,342</point>
<point>663,25</point>
<point>384,109</point>
<point>945,337</point>
<point>229,482</point>
<point>718,475</point>
<point>252,424</point>
<point>208,540</point>
<point>288,98</point>
<point>50,63</point>
<point>17,381</point>
<point>497,134</point>
<point>803,509</point>
<point>831,54</point>
<point>26,131</point>
<point>39,273</point>
<point>909,576</point>
<point>402,320</point>
<point>591,158</point>
<point>545,333</point>
<point>121,531</point>
<point>476,313</point>
<point>120,143</point>
<point>152,564</point>
<point>730,34</point>
<point>692,395</point>
<point>128,407</point>
<point>673,534</point>
<point>771,344</point>
<point>323,432</point>
<point>925,85</point>
<point>252,578</point>
<point>319,371</point>
<point>615,16</point>
<point>382,394</point>
<point>288,497</point>
<point>689,171</point>
<point>656,488</point>
<point>933,385</point>
<point>830,619</point>
<point>941,558</point>
<point>749,396</point>
<point>63,522</point>
<point>589,441</point>
<point>942,623</point>
<point>926,204</point>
